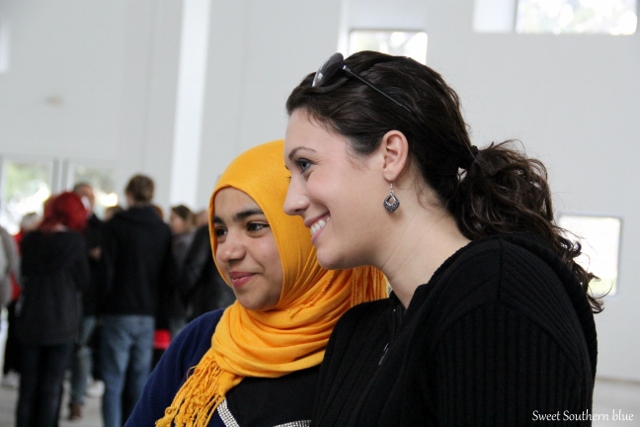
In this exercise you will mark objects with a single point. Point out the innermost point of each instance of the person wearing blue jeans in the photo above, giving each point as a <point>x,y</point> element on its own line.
<point>126,353</point>
<point>82,365</point>
<point>136,273</point>
<point>82,361</point>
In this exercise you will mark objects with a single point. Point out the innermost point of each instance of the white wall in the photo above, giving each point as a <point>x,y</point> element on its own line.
<point>572,100</point>
<point>92,79</point>
<point>259,51</point>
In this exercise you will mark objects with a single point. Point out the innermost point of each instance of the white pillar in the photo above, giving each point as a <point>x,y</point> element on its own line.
<point>190,102</point>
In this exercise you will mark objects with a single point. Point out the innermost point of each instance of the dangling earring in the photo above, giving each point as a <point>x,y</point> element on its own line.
<point>391,202</point>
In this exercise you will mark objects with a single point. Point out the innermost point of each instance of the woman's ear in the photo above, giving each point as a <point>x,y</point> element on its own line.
<point>395,151</point>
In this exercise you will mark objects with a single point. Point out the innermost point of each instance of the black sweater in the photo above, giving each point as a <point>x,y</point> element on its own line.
<point>502,335</point>
<point>136,263</point>
<point>54,271</point>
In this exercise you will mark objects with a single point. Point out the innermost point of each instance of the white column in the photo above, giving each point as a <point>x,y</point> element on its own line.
<point>190,102</point>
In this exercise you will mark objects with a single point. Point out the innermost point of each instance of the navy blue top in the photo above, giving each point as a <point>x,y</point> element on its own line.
<point>254,402</point>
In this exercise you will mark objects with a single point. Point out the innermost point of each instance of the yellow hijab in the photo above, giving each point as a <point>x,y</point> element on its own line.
<point>293,335</point>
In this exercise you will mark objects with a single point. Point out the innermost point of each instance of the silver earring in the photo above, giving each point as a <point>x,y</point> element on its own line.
<point>391,202</point>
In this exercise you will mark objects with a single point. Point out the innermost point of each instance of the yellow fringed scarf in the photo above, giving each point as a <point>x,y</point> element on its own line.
<point>294,334</point>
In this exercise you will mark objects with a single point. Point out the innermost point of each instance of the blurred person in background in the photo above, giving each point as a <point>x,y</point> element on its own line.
<point>54,270</point>
<point>82,360</point>
<point>202,218</point>
<point>11,361</point>
<point>181,221</point>
<point>203,287</point>
<point>110,211</point>
<point>136,263</point>
<point>9,265</point>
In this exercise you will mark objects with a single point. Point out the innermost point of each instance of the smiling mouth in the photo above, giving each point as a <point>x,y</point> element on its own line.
<point>240,279</point>
<point>319,225</point>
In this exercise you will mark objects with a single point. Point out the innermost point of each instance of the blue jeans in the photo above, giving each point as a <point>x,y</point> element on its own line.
<point>42,370</point>
<point>126,353</point>
<point>82,362</point>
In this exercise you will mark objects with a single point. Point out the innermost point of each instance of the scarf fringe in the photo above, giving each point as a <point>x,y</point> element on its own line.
<point>199,397</point>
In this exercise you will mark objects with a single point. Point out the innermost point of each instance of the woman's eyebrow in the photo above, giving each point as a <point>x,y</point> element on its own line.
<point>247,213</point>
<point>239,216</point>
<point>293,152</point>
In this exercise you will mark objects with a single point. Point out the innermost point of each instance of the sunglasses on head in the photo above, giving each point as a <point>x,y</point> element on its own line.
<point>335,63</point>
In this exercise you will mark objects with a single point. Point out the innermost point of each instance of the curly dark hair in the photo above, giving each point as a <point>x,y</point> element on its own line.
<point>497,189</point>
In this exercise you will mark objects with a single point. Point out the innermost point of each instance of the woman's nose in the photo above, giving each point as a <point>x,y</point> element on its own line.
<point>296,201</point>
<point>230,250</point>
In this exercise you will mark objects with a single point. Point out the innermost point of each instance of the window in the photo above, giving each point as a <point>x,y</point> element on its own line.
<point>600,240</point>
<point>27,182</point>
<point>614,17</point>
<point>25,187</point>
<point>406,43</point>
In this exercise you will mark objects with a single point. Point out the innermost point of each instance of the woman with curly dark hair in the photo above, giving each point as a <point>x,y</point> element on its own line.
<point>54,271</point>
<point>490,321</point>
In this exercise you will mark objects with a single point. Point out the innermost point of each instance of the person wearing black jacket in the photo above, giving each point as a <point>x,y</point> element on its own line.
<point>491,321</point>
<point>82,361</point>
<point>202,287</point>
<point>501,329</point>
<point>54,271</point>
<point>137,270</point>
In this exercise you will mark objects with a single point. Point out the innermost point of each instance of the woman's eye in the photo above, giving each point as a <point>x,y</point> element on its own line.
<point>303,164</point>
<point>257,226</point>
<point>219,232</point>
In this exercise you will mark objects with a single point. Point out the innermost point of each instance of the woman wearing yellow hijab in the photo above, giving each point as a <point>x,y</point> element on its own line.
<point>256,362</point>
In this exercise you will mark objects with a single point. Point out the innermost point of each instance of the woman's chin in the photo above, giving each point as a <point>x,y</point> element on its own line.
<point>332,263</point>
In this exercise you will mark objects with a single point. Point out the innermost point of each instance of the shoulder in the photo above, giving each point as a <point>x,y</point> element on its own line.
<point>204,324</point>
<point>487,273</point>
<point>362,316</point>
<point>165,380</point>
<point>71,236</point>
<point>207,320</point>
<point>362,329</point>
<point>70,240</point>
<point>496,270</point>
<point>524,274</point>
<point>195,339</point>
<point>505,277</point>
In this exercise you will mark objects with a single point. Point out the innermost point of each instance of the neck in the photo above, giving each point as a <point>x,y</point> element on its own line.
<point>422,240</point>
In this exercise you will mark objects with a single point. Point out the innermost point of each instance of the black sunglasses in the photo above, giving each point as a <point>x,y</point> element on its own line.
<point>335,63</point>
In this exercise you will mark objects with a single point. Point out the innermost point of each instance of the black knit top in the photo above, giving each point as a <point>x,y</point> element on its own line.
<point>502,335</point>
